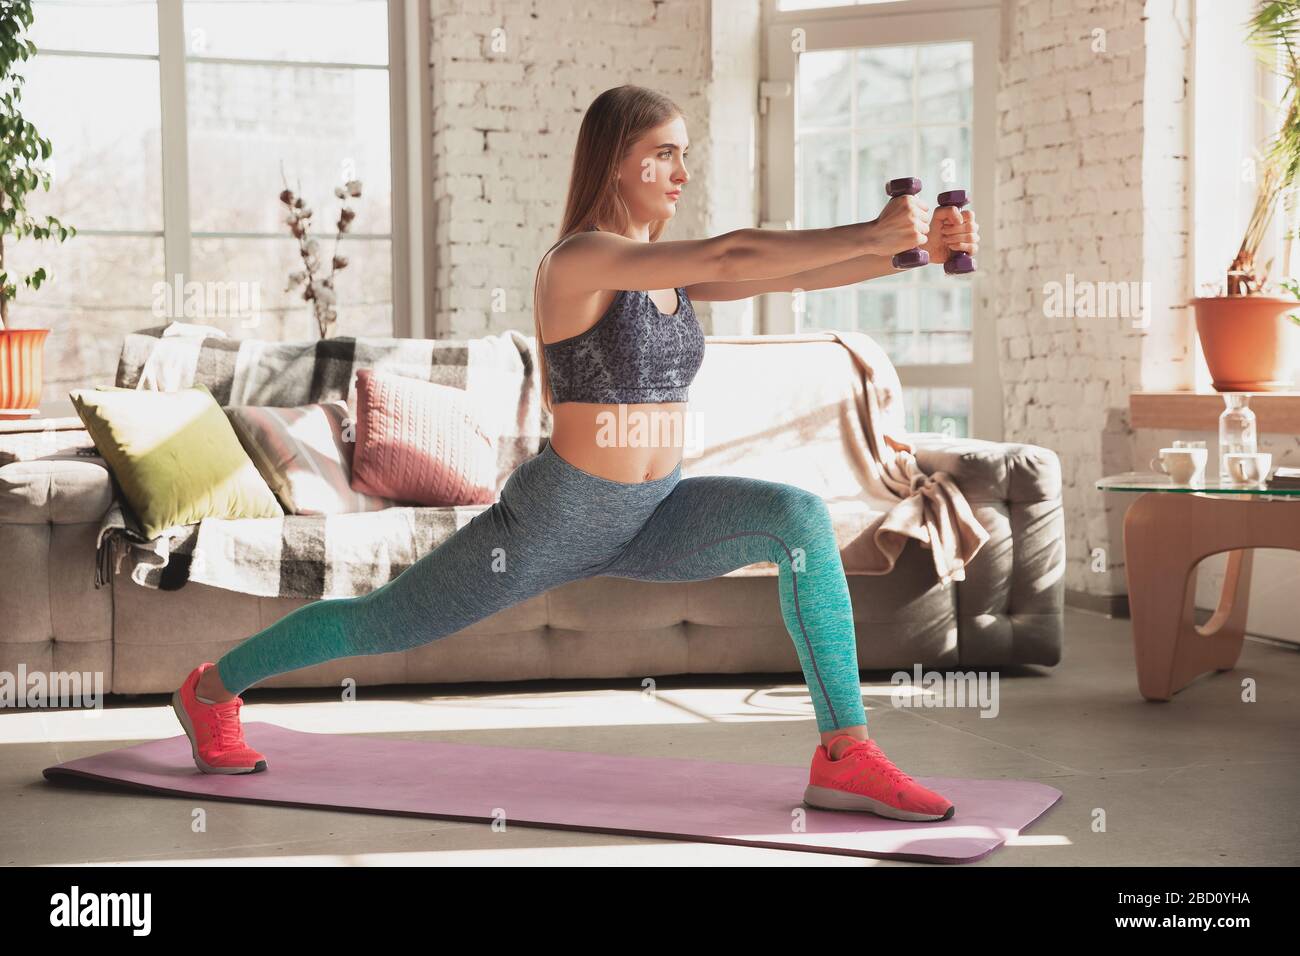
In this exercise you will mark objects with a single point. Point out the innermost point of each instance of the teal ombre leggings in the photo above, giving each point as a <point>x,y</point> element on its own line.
<point>556,523</point>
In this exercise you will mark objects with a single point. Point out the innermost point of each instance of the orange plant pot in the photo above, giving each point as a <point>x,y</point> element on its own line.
<point>22,358</point>
<point>1246,340</point>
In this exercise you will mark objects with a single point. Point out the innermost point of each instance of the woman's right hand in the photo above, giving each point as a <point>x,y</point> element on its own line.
<point>903,224</point>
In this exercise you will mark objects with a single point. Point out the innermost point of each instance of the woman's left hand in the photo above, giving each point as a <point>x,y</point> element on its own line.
<point>951,229</point>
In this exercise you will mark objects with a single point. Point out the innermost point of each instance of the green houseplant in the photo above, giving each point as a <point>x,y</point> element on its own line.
<point>22,153</point>
<point>1244,332</point>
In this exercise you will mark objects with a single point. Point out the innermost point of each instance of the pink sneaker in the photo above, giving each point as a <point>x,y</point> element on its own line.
<point>216,736</point>
<point>865,779</point>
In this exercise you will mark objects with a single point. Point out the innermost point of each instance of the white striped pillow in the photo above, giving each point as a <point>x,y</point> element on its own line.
<point>305,455</point>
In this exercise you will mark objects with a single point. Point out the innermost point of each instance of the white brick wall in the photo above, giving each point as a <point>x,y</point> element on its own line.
<point>1091,180</point>
<point>1092,177</point>
<point>505,125</point>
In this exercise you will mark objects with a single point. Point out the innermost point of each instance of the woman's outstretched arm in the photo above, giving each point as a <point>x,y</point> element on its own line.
<point>957,231</point>
<point>602,260</point>
<point>857,269</point>
<point>826,255</point>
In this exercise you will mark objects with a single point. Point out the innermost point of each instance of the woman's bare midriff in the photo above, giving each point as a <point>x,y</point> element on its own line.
<point>579,432</point>
<point>642,442</point>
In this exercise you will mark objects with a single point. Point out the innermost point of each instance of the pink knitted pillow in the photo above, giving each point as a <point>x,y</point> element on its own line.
<point>421,443</point>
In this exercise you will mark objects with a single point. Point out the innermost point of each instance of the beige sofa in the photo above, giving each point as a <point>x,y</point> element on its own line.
<point>1007,611</point>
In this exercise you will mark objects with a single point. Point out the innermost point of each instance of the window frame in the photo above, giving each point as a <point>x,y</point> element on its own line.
<point>905,22</point>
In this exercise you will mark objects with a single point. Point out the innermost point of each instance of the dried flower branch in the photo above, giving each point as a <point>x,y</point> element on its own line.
<point>318,291</point>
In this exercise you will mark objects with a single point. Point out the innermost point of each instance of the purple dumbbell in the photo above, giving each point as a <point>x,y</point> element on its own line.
<point>959,263</point>
<point>909,258</point>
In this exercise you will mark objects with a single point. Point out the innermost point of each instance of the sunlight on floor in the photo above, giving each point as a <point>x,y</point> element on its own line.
<point>1045,839</point>
<point>435,713</point>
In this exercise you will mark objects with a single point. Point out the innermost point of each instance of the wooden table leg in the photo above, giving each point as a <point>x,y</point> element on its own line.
<point>1166,535</point>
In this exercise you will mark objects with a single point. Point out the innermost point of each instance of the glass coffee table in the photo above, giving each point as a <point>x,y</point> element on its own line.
<point>1168,530</point>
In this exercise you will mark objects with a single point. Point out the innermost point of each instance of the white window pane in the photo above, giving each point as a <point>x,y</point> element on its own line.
<point>945,151</point>
<point>886,312</point>
<point>253,127</point>
<point>95,26</point>
<point>826,309</point>
<point>884,78</point>
<point>945,410</point>
<point>880,310</point>
<point>944,320</point>
<point>825,92</point>
<point>98,288</point>
<point>946,77</point>
<point>893,311</point>
<point>364,288</point>
<point>336,31</point>
<point>825,190</point>
<point>87,275</point>
<point>882,155</point>
<point>103,120</point>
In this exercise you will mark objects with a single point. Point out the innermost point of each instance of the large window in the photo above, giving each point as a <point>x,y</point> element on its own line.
<point>93,90</point>
<point>175,127</point>
<point>290,94</point>
<point>864,117</point>
<point>874,100</point>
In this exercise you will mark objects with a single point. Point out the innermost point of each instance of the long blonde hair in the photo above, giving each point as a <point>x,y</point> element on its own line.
<point>614,121</point>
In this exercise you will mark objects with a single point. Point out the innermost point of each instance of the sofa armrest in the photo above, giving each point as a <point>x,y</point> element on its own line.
<point>1011,604</point>
<point>989,470</point>
<point>65,488</point>
<point>55,618</point>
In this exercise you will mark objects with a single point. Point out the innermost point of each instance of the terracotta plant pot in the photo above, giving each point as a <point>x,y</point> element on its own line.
<point>1245,340</point>
<point>22,354</point>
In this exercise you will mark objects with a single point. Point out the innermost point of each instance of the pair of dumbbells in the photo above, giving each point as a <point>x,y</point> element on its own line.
<point>959,263</point>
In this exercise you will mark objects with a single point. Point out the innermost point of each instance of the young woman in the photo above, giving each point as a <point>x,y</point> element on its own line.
<point>586,506</point>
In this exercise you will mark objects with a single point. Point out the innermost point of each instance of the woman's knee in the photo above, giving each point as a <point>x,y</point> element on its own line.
<point>801,527</point>
<point>802,513</point>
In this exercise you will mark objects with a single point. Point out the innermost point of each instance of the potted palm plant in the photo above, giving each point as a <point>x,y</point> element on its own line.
<point>22,155</point>
<point>1244,332</point>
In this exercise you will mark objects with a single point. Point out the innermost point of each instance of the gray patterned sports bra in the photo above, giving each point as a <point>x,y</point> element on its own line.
<point>634,353</point>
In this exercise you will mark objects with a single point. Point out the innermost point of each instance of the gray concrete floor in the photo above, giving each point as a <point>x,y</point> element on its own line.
<point>1203,780</point>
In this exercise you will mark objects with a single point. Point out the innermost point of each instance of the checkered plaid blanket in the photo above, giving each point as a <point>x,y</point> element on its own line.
<point>315,556</point>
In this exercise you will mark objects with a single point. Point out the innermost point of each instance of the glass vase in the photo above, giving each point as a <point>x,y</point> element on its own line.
<point>1236,429</point>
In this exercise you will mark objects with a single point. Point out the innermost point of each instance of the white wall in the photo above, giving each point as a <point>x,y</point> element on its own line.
<point>1074,109</point>
<point>505,124</point>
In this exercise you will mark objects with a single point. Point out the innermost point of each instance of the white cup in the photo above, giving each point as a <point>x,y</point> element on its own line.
<point>1246,467</point>
<point>1184,465</point>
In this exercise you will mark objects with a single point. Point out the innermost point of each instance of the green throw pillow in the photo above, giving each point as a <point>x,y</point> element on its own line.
<point>175,455</point>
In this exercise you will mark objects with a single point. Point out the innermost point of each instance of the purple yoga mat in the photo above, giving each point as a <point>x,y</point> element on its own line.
<point>702,800</point>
